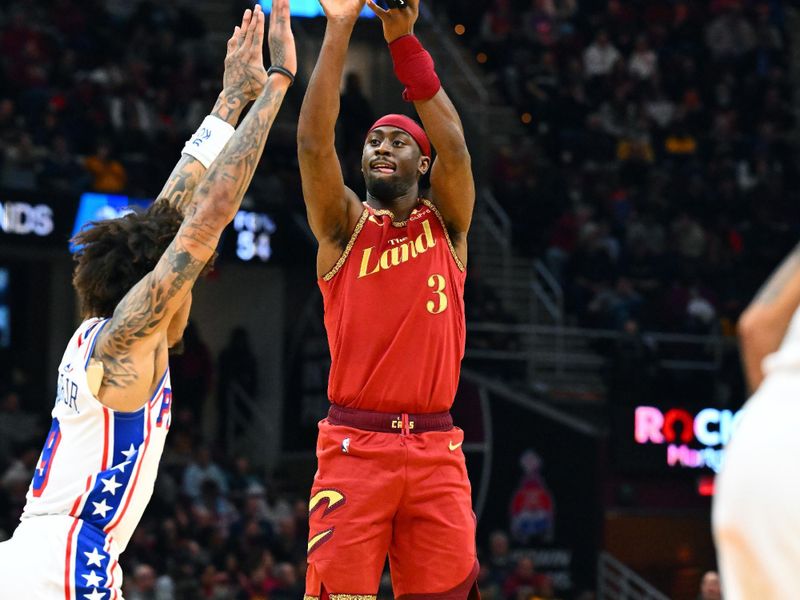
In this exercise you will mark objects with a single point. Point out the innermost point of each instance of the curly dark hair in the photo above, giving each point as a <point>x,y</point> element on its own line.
<point>114,255</point>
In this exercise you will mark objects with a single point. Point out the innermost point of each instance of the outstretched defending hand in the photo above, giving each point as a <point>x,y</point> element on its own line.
<point>342,9</point>
<point>282,51</point>
<point>244,62</point>
<point>397,22</point>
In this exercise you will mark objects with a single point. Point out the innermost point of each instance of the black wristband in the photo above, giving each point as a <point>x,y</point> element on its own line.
<point>282,71</point>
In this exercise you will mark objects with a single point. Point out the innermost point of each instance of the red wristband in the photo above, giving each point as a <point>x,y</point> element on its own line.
<point>413,66</point>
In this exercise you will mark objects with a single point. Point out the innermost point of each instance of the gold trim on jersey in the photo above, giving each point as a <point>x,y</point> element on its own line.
<point>390,214</point>
<point>330,274</point>
<point>307,597</point>
<point>352,597</point>
<point>435,211</point>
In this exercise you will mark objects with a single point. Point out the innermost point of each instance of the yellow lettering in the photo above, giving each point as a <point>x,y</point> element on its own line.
<point>363,271</point>
<point>438,284</point>
<point>390,258</point>
<point>397,255</point>
<point>425,236</point>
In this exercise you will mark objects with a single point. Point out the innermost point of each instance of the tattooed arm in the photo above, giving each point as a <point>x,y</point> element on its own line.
<point>764,323</point>
<point>139,325</point>
<point>240,85</point>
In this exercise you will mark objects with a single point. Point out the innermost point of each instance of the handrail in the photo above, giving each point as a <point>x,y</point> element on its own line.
<point>537,406</point>
<point>616,581</point>
<point>497,211</point>
<point>662,336</point>
<point>557,357</point>
<point>549,305</point>
<point>554,286</point>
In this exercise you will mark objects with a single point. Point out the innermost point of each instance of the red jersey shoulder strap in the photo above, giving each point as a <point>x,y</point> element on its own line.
<point>436,212</point>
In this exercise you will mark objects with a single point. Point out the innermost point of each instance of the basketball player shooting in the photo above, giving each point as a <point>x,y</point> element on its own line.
<point>392,477</point>
<point>756,512</point>
<point>134,276</point>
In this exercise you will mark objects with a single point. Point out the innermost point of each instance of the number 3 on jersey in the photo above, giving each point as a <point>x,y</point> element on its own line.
<point>437,283</point>
<point>42,472</point>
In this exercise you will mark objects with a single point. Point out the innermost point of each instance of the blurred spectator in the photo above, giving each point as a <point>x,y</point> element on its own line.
<point>730,35</point>
<point>288,585</point>
<point>601,56</point>
<point>145,585</point>
<point>499,561</point>
<point>21,163</point>
<point>710,587</point>
<point>643,62</point>
<point>202,469</point>
<point>242,482</point>
<point>61,172</point>
<point>524,581</point>
<point>108,173</point>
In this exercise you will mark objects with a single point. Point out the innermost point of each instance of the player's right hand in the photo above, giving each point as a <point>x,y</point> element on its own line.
<point>282,50</point>
<point>244,61</point>
<point>342,9</point>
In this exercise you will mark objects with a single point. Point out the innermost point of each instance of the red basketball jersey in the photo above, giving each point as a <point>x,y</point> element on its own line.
<point>394,313</point>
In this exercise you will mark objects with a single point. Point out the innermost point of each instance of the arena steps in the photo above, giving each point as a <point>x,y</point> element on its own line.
<point>564,369</point>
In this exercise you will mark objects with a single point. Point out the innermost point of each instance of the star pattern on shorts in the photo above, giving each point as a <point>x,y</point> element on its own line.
<point>92,579</point>
<point>101,508</point>
<point>121,466</point>
<point>110,485</point>
<point>94,558</point>
<point>95,595</point>
<point>129,452</point>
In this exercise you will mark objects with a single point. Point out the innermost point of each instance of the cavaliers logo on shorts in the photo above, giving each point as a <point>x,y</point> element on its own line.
<point>333,500</point>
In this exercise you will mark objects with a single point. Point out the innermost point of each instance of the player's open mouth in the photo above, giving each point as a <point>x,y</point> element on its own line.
<point>382,167</point>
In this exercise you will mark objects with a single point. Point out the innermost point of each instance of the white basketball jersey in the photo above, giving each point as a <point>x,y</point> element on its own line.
<point>788,355</point>
<point>98,465</point>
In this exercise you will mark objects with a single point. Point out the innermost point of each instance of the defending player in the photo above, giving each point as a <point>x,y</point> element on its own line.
<point>756,513</point>
<point>134,276</point>
<point>391,477</point>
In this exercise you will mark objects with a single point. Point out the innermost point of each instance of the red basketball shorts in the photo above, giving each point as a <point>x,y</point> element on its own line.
<point>407,496</point>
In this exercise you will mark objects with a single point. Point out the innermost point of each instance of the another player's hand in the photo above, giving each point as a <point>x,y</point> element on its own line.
<point>342,9</point>
<point>397,22</point>
<point>244,60</point>
<point>282,51</point>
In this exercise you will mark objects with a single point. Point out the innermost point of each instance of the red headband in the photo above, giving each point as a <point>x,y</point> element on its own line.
<point>410,126</point>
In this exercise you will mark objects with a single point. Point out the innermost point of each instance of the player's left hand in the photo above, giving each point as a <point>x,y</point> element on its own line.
<point>244,60</point>
<point>397,22</point>
<point>282,50</point>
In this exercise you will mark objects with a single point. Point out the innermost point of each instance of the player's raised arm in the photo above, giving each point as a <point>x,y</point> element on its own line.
<point>333,209</point>
<point>240,86</point>
<point>763,325</point>
<point>452,184</point>
<point>147,308</point>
